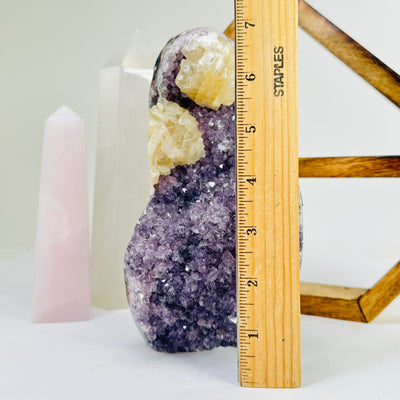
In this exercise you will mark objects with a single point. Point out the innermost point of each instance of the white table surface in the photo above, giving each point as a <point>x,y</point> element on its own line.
<point>106,358</point>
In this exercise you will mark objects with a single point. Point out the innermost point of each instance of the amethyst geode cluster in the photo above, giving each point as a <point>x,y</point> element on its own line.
<point>180,262</point>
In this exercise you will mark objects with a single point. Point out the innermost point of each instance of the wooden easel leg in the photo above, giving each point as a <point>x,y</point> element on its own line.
<point>351,304</point>
<point>376,299</point>
<point>332,301</point>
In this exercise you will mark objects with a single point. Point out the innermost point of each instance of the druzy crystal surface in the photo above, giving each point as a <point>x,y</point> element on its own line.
<point>180,263</point>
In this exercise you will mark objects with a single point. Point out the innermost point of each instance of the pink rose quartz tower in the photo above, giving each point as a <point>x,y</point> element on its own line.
<point>62,288</point>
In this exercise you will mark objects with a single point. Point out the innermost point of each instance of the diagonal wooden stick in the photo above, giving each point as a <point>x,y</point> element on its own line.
<point>359,59</point>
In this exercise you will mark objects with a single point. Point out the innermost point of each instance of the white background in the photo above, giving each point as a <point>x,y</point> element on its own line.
<point>51,52</point>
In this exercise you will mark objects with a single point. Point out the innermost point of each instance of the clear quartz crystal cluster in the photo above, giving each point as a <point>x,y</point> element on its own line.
<point>180,263</point>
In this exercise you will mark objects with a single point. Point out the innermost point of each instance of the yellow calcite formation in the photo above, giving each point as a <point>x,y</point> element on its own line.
<point>174,138</point>
<point>207,73</point>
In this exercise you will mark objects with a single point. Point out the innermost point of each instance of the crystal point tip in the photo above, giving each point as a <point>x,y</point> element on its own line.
<point>64,112</point>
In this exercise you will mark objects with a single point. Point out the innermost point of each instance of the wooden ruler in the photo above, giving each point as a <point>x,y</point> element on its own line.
<point>267,193</point>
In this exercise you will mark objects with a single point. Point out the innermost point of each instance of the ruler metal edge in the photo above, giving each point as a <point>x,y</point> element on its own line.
<point>267,214</point>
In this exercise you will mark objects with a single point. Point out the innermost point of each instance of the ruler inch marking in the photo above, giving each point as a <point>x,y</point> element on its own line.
<point>267,218</point>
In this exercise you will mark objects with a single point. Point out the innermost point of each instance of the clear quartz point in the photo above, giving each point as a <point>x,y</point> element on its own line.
<point>122,185</point>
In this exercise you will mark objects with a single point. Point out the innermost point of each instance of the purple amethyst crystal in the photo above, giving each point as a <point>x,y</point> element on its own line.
<point>180,263</point>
